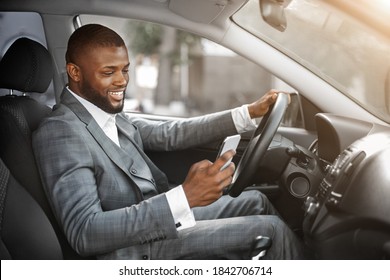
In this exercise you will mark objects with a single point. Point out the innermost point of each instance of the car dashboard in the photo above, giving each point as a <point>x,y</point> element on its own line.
<point>348,216</point>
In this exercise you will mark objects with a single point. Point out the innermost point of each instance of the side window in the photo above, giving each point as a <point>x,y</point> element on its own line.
<point>14,25</point>
<point>176,73</point>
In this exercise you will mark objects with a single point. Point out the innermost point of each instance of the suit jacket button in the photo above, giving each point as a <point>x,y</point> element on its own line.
<point>133,171</point>
<point>145,257</point>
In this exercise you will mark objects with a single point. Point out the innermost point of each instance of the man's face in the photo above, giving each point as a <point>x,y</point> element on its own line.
<point>103,77</point>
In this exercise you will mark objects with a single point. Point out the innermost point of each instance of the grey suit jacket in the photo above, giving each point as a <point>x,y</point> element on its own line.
<point>89,182</point>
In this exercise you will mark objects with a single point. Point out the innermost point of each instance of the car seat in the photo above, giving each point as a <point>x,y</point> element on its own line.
<point>26,232</point>
<point>26,67</point>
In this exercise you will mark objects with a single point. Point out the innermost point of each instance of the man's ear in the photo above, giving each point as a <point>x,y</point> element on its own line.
<point>73,72</point>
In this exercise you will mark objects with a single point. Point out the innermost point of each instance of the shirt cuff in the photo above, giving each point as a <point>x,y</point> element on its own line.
<point>181,211</point>
<point>242,119</point>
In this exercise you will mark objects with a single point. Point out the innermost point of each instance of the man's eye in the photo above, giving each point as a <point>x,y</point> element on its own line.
<point>108,73</point>
<point>125,71</point>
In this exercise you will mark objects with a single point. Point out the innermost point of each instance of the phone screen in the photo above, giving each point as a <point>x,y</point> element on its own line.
<point>230,143</point>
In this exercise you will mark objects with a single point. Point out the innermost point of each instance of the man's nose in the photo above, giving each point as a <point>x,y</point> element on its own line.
<point>121,79</point>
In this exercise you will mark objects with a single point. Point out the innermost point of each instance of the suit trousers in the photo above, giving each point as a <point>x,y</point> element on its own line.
<point>227,229</point>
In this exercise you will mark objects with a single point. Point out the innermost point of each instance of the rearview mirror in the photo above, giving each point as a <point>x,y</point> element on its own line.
<point>272,12</point>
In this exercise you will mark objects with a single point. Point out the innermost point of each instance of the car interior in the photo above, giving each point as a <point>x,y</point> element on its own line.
<point>25,208</point>
<point>322,158</point>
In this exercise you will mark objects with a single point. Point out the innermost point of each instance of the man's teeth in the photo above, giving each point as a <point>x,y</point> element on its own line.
<point>115,92</point>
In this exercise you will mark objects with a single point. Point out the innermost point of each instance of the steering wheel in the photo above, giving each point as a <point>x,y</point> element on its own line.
<point>258,145</point>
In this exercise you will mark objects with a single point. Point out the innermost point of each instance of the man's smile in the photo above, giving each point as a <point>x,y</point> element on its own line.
<point>116,95</point>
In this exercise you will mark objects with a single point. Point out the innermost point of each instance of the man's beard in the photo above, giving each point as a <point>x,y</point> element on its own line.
<point>100,101</point>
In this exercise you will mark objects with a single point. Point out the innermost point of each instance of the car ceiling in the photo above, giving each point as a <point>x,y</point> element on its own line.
<point>175,11</point>
<point>182,14</point>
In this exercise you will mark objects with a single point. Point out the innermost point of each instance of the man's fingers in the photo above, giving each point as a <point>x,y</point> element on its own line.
<point>273,95</point>
<point>226,184</point>
<point>202,164</point>
<point>222,160</point>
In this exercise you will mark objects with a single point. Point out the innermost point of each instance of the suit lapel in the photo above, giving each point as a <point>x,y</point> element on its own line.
<point>127,129</point>
<point>115,153</point>
<point>112,151</point>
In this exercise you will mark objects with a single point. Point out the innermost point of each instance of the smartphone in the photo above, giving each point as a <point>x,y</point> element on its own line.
<point>230,143</point>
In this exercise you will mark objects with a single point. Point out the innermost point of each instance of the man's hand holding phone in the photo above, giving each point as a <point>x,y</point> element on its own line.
<point>206,181</point>
<point>230,143</point>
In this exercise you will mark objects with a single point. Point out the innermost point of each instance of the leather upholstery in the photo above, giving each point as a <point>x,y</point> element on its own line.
<point>26,232</point>
<point>26,67</point>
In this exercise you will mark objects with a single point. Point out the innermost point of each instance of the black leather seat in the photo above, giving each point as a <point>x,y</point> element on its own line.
<point>26,232</point>
<point>26,67</point>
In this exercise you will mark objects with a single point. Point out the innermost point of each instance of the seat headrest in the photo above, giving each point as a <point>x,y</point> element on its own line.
<point>26,66</point>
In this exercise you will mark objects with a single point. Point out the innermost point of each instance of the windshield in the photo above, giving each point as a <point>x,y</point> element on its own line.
<point>351,55</point>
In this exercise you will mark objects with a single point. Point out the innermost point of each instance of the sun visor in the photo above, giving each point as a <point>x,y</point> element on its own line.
<point>202,11</point>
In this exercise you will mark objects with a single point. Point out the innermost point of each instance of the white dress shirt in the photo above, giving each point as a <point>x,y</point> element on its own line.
<point>177,200</point>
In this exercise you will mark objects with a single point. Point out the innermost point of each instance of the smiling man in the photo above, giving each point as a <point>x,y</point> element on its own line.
<point>113,202</point>
<point>98,70</point>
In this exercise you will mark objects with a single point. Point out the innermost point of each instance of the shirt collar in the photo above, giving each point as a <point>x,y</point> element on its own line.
<point>100,116</point>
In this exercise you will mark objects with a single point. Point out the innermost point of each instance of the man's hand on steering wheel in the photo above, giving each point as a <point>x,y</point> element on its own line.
<point>261,106</point>
<point>261,138</point>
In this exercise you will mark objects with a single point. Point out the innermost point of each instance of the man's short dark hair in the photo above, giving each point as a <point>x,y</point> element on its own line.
<point>91,36</point>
